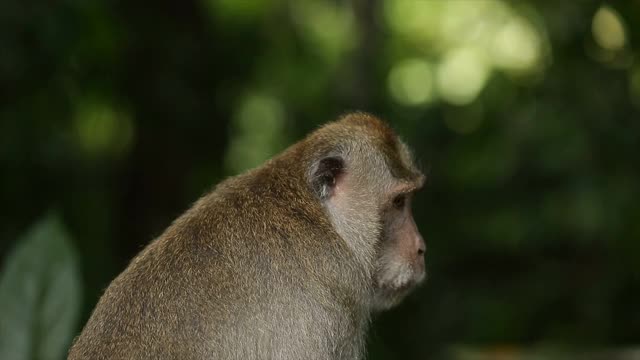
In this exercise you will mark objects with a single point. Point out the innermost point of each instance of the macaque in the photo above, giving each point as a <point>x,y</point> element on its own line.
<point>286,261</point>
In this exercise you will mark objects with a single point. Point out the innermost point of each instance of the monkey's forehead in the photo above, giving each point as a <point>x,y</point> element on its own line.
<point>369,124</point>
<point>362,127</point>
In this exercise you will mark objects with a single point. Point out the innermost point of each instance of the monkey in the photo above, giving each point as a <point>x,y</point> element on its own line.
<point>289,260</point>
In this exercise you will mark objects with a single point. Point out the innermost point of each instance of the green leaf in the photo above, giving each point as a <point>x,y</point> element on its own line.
<point>39,294</point>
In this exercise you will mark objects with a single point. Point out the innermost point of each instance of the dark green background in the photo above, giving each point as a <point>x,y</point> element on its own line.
<point>120,114</point>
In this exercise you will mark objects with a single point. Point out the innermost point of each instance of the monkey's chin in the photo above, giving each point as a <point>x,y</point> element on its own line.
<point>385,300</point>
<point>387,297</point>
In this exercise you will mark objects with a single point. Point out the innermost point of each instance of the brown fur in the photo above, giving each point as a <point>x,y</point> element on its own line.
<point>262,267</point>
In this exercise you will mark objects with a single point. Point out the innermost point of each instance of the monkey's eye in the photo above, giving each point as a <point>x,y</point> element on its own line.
<point>398,201</point>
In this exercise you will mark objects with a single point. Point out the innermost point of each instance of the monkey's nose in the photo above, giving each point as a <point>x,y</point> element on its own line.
<point>421,245</point>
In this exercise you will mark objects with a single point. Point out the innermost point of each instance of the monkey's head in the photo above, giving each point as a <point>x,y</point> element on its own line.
<point>365,177</point>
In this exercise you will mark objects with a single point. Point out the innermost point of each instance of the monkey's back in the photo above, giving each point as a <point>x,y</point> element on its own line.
<point>253,270</point>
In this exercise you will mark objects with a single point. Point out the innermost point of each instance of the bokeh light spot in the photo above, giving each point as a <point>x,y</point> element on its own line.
<point>414,19</point>
<point>410,82</point>
<point>516,46</point>
<point>608,29</point>
<point>462,75</point>
<point>257,132</point>
<point>329,27</point>
<point>101,129</point>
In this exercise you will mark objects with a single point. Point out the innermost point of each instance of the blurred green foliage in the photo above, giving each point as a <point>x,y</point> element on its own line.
<point>40,294</point>
<point>524,114</point>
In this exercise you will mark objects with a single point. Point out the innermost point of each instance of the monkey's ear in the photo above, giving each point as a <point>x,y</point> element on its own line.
<point>325,176</point>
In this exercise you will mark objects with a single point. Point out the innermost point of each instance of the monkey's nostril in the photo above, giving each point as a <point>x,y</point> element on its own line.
<point>420,251</point>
